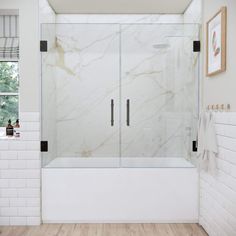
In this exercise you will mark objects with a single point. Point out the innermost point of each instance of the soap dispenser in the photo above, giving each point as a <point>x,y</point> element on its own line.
<point>9,129</point>
<point>17,129</point>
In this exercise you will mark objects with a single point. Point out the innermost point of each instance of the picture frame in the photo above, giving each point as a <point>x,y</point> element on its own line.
<point>216,30</point>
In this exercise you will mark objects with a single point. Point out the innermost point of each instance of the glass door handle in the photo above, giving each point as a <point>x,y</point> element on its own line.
<point>128,112</point>
<point>112,112</point>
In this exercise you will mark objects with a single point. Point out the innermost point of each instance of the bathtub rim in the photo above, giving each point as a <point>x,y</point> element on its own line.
<point>119,163</point>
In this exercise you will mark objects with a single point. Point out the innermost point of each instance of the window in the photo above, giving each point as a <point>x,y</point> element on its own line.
<point>9,92</point>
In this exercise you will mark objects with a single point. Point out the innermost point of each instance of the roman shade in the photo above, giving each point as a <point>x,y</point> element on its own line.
<point>9,37</point>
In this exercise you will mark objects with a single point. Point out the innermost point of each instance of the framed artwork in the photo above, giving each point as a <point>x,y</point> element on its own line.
<point>216,43</point>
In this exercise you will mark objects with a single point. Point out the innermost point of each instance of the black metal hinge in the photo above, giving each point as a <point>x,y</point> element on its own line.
<point>44,146</point>
<point>43,46</point>
<point>194,147</point>
<point>196,46</point>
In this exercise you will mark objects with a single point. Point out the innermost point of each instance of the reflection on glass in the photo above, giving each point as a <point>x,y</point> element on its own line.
<point>9,80</point>
<point>9,109</point>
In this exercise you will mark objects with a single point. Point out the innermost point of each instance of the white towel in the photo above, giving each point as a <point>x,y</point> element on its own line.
<point>207,143</point>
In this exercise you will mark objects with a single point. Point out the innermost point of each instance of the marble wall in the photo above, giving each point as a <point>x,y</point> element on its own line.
<point>87,78</point>
<point>46,13</point>
<point>123,57</point>
<point>155,78</point>
<point>193,14</point>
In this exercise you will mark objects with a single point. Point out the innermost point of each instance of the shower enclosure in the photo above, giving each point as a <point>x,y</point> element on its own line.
<point>119,95</point>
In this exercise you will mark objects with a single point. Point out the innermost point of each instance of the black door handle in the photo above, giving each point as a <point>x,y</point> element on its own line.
<point>112,112</point>
<point>128,112</point>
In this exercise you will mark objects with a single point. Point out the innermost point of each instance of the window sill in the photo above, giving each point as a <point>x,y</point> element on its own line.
<point>9,138</point>
<point>3,135</point>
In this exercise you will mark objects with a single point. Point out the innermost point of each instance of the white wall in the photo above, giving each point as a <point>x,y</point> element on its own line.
<point>218,193</point>
<point>20,174</point>
<point>221,88</point>
<point>29,52</point>
<point>20,158</point>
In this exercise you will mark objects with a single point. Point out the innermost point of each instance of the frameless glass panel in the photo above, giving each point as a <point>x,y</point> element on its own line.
<point>80,91</point>
<point>100,79</point>
<point>159,82</point>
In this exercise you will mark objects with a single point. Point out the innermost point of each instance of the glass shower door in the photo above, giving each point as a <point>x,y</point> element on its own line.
<point>119,95</point>
<point>80,95</point>
<point>159,94</point>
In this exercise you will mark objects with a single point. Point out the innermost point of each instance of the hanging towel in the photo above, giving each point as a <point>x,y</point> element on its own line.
<point>207,143</point>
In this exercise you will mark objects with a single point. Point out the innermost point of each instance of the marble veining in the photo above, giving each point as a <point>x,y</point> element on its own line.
<point>90,64</point>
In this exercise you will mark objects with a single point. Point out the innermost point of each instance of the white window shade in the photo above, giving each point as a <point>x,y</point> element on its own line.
<point>9,37</point>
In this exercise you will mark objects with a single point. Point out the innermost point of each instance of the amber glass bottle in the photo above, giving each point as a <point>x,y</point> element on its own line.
<point>9,129</point>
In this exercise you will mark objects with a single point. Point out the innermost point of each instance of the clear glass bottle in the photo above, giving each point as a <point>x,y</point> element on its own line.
<point>17,128</point>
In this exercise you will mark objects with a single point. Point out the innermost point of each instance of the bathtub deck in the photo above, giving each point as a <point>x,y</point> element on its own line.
<point>104,230</point>
<point>125,162</point>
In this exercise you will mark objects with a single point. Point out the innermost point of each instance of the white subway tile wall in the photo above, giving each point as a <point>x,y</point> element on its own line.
<point>218,193</point>
<point>20,178</point>
<point>20,174</point>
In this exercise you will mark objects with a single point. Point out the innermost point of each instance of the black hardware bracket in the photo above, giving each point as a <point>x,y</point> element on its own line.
<point>196,46</point>
<point>44,146</point>
<point>43,46</point>
<point>194,146</point>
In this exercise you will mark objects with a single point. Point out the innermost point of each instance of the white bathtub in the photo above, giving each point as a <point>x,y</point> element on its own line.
<point>168,194</point>
<point>104,162</point>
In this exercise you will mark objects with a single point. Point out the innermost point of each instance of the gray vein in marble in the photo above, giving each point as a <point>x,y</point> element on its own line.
<point>168,139</point>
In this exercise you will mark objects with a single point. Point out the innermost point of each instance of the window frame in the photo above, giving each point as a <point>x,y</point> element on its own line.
<point>9,93</point>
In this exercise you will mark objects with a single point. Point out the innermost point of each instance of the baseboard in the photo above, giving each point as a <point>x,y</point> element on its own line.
<point>189,221</point>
